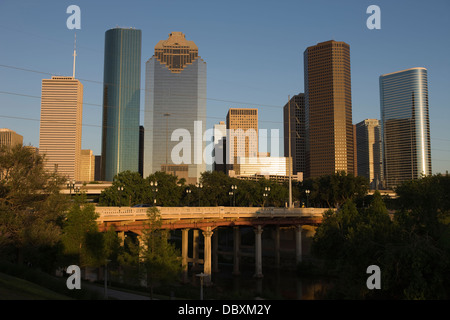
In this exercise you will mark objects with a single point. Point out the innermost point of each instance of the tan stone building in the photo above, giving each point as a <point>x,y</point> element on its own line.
<point>60,127</point>
<point>87,169</point>
<point>10,138</point>
<point>242,134</point>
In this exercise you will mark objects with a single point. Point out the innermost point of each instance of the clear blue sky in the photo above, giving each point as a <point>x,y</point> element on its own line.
<point>253,49</point>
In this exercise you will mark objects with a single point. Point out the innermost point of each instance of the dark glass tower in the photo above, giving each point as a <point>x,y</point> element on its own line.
<point>328,109</point>
<point>405,125</point>
<point>121,102</point>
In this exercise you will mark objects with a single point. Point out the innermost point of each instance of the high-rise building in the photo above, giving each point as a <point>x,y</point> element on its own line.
<point>405,125</point>
<point>121,102</point>
<point>175,106</point>
<point>10,138</point>
<point>87,170</point>
<point>297,134</point>
<point>242,134</point>
<point>328,109</point>
<point>369,160</point>
<point>220,138</point>
<point>60,125</point>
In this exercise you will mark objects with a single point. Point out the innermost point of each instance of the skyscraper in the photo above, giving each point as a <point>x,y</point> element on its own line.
<point>405,125</point>
<point>10,138</point>
<point>242,134</point>
<point>368,141</point>
<point>121,102</point>
<point>328,104</point>
<point>298,139</point>
<point>60,125</point>
<point>175,103</point>
<point>220,138</point>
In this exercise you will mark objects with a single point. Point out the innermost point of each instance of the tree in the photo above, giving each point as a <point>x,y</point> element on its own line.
<point>161,261</point>
<point>31,205</point>
<point>80,236</point>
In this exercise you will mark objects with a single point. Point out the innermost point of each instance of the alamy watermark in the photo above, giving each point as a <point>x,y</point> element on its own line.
<point>374,21</point>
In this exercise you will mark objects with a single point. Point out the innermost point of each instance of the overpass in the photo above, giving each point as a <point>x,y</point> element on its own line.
<point>206,220</point>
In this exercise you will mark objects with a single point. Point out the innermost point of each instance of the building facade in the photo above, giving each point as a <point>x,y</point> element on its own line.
<point>60,125</point>
<point>10,138</point>
<point>297,135</point>
<point>175,106</point>
<point>405,125</point>
<point>328,109</point>
<point>87,169</point>
<point>121,102</point>
<point>368,146</point>
<point>219,153</point>
<point>242,135</point>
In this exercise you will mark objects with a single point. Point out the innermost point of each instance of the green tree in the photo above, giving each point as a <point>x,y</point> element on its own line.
<point>161,261</point>
<point>31,205</point>
<point>80,237</point>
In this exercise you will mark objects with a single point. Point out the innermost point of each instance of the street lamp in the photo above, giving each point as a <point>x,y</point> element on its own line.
<point>200,186</point>
<point>265,194</point>
<point>154,186</point>
<point>307,195</point>
<point>70,185</point>
<point>233,190</point>
<point>120,189</point>
<point>188,192</point>
<point>201,276</point>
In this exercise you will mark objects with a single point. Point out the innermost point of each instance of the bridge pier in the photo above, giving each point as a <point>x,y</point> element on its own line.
<point>258,252</point>
<point>207,255</point>
<point>184,253</point>
<point>298,243</point>
<point>236,253</point>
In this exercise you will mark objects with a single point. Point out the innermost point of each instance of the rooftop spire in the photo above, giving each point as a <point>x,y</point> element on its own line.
<point>74,55</point>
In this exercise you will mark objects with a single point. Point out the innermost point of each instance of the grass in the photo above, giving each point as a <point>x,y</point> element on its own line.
<point>12,288</point>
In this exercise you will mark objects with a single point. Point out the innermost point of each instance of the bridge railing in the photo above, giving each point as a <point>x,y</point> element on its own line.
<point>130,213</point>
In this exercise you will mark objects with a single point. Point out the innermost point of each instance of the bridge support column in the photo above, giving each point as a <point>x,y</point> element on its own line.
<point>215,249</point>
<point>236,246</point>
<point>207,255</point>
<point>184,253</point>
<point>258,252</point>
<point>277,246</point>
<point>195,245</point>
<point>298,244</point>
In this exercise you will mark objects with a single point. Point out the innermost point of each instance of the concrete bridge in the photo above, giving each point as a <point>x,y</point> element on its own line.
<point>207,220</point>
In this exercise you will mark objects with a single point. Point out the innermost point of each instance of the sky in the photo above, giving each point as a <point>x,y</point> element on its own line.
<point>253,50</point>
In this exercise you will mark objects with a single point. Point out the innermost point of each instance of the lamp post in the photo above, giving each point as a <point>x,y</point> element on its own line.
<point>199,186</point>
<point>201,276</point>
<point>307,196</point>
<point>188,193</point>
<point>265,194</point>
<point>230,193</point>
<point>71,185</point>
<point>154,186</point>
<point>233,190</point>
<point>120,189</point>
<point>106,278</point>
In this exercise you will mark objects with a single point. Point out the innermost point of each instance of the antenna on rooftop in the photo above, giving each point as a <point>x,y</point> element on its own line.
<point>74,55</point>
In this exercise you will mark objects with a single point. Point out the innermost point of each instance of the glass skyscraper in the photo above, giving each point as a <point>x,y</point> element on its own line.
<point>175,98</point>
<point>405,125</point>
<point>121,102</point>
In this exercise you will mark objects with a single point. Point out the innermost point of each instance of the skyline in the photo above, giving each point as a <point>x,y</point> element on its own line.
<point>254,60</point>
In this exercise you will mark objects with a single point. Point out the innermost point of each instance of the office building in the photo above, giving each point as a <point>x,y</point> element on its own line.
<point>175,106</point>
<point>87,170</point>
<point>328,109</point>
<point>121,102</point>
<point>242,135</point>
<point>219,152</point>
<point>297,134</point>
<point>60,125</point>
<point>368,146</point>
<point>405,126</point>
<point>10,138</point>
